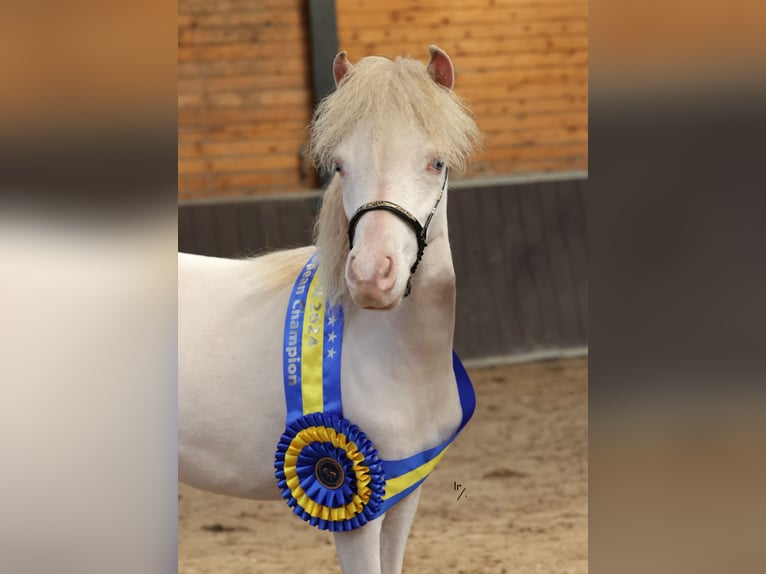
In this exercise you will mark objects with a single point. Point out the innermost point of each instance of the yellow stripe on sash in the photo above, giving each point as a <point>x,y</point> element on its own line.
<point>396,485</point>
<point>313,350</point>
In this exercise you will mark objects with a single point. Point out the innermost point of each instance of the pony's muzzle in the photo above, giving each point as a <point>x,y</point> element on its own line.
<point>371,281</point>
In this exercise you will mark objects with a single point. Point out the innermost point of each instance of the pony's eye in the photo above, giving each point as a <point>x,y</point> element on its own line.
<point>437,165</point>
<point>336,167</point>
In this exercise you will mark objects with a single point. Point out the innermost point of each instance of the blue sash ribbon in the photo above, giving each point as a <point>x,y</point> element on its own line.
<point>328,470</point>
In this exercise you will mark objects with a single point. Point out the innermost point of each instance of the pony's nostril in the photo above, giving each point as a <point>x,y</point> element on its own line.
<point>386,279</point>
<point>387,267</point>
<point>352,268</point>
<point>377,274</point>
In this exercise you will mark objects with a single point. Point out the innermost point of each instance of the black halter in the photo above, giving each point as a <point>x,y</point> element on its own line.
<point>421,231</point>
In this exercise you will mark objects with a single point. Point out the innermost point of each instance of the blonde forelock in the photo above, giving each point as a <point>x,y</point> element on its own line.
<point>379,89</point>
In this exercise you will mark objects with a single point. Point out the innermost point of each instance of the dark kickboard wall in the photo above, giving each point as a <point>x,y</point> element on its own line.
<point>521,264</point>
<point>519,250</point>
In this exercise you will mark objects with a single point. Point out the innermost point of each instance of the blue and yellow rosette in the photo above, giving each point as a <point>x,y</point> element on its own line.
<point>329,472</point>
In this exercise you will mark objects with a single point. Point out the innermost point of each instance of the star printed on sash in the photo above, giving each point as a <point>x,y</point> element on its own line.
<point>331,353</point>
<point>331,336</point>
<point>331,320</point>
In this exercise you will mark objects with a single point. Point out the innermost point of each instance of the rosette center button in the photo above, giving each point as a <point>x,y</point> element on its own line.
<point>329,472</point>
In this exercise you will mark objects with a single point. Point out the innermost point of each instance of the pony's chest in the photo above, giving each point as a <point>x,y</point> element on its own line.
<point>365,425</point>
<point>402,415</point>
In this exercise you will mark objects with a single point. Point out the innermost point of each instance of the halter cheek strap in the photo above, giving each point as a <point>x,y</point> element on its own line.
<point>421,231</point>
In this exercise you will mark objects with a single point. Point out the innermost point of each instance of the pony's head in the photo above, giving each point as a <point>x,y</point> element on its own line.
<point>390,133</point>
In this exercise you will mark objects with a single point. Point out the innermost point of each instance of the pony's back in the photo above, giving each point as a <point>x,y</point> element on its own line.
<point>230,394</point>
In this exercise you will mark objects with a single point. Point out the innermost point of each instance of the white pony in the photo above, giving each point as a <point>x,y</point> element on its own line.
<point>389,133</point>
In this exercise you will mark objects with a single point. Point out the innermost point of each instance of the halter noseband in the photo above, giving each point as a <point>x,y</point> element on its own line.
<point>421,231</point>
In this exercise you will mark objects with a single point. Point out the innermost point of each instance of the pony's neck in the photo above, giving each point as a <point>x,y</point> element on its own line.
<point>432,300</point>
<point>399,372</point>
<point>422,325</point>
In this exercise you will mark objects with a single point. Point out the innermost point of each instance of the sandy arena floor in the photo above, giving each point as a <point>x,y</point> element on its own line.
<point>522,461</point>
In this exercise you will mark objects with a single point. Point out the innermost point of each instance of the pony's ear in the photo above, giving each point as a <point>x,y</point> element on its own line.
<point>341,67</point>
<point>440,67</point>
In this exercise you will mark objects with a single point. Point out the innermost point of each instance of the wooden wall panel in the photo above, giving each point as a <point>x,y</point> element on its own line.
<point>519,252</point>
<point>521,65</point>
<point>244,97</point>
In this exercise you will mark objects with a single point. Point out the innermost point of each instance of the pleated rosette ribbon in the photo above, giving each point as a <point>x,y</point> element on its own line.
<point>329,472</point>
